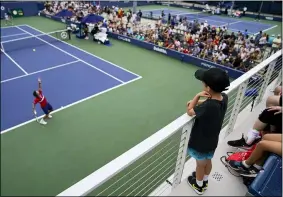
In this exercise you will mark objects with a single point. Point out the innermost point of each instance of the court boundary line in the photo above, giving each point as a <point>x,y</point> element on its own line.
<point>73,56</point>
<point>11,36</point>
<point>10,58</point>
<point>8,27</point>
<point>39,71</point>
<point>85,51</point>
<point>72,104</point>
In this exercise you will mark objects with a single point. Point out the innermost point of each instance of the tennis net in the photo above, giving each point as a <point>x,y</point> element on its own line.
<point>34,41</point>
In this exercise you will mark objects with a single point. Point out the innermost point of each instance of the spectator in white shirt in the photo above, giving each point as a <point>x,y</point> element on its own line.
<point>220,57</point>
<point>276,44</point>
<point>205,24</point>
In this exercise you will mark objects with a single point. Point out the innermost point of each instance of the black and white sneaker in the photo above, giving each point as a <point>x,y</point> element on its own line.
<point>250,172</point>
<point>241,143</point>
<point>205,183</point>
<point>242,170</point>
<point>193,183</point>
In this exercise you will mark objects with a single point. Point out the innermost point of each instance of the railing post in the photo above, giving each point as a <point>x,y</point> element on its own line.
<point>266,80</point>
<point>236,107</point>
<point>278,80</point>
<point>182,154</point>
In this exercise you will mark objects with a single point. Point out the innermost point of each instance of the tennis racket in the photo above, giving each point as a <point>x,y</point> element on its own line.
<point>36,118</point>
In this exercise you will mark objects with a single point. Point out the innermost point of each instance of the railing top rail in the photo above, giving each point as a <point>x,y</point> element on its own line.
<point>100,176</point>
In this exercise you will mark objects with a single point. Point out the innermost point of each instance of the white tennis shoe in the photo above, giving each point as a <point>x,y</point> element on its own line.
<point>42,122</point>
<point>49,116</point>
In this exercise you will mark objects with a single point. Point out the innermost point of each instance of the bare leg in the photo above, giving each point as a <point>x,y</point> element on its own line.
<point>274,146</point>
<point>208,167</point>
<point>200,169</point>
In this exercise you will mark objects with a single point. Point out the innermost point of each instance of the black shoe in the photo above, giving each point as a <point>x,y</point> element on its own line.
<point>205,183</point>
<point>250,172</point>
<point>237,166</point>
<point>241,143</point>
<point>193,183</point>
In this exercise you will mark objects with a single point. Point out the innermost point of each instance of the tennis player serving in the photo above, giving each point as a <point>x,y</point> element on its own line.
<point>45,106</point>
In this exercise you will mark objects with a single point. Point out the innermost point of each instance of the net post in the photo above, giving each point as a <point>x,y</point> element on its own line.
<point>236,108</point>
<point>266,80</point>
<point>181,159</point>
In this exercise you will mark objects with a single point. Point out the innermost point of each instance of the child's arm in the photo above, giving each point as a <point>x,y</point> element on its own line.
<point>199,102</point>
<point>194,102</point>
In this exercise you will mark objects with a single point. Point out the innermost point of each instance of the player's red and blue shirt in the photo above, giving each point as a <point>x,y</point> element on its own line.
<point>41,100</point>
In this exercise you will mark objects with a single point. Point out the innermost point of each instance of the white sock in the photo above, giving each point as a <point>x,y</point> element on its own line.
<point>200,183</point>
<point>257,166</point>
<point>245,164</point>
<point>205,178</point>
<point>251,136</point>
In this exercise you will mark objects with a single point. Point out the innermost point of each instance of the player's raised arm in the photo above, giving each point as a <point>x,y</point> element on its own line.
<point>39,84</point>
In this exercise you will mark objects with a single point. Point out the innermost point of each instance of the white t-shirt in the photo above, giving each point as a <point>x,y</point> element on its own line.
<point>276,40</point>
<point>220,57</point>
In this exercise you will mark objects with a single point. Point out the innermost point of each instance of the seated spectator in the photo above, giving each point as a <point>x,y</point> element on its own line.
<point>271,143</point>
<point>276,44</point>
<point>237,64</point>
<point>270,119</point>
<point>263,40</point>
<point>220,58</point>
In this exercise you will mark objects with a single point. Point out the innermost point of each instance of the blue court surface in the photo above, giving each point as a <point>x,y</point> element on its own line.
<point>232,23</point>
<point>69,75</point>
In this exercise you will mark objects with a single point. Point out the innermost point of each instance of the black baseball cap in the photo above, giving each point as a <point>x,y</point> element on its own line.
<point>216,78</point>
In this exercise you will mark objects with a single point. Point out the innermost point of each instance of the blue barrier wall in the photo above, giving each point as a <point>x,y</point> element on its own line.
<point>29,8</point>
<point>177,55</point>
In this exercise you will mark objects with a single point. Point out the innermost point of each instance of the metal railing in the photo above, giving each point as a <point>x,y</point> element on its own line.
<point>160,159</point>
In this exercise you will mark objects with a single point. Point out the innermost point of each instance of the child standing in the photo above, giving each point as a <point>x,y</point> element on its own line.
<point>208,122</point>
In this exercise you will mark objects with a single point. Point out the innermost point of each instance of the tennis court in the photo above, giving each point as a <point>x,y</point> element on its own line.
<point>232,23</point>
<point>69,71</point>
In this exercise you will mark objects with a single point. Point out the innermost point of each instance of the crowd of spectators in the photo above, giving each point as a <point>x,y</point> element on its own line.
<point>236,50</point>
<point>239,50</point>
<point>80,9</point>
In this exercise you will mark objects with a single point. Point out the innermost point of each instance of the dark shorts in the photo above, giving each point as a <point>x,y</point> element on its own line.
<point>280,101</point>
<point>269,118</point>
<point>47,108</point>
<point>200,156</point>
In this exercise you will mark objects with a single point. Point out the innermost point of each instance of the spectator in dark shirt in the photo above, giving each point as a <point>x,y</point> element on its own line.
<point>237,62</point>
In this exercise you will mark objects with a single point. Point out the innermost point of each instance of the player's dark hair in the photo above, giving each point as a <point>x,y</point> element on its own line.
<point>35,94</point>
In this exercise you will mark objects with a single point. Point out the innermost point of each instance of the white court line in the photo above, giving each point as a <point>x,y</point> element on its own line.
<point>13,35</point>
<point>14,62</point>
<point>8,27</point>
<point>51,68</point>
<point>268,29</point>
<point>154,10</point>
<point>74,56</point>
<point>85,52</point>
<point>72,104</point>
<point>228,24</point>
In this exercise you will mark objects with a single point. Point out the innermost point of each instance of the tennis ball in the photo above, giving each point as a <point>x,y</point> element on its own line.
<point>33,49</point>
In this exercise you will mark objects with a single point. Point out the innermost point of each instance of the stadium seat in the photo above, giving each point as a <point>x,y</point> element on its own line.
<point>269,181</point>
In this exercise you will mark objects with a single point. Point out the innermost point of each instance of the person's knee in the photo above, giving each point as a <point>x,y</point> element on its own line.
<point>201,163</point>
<point>273,100</point>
